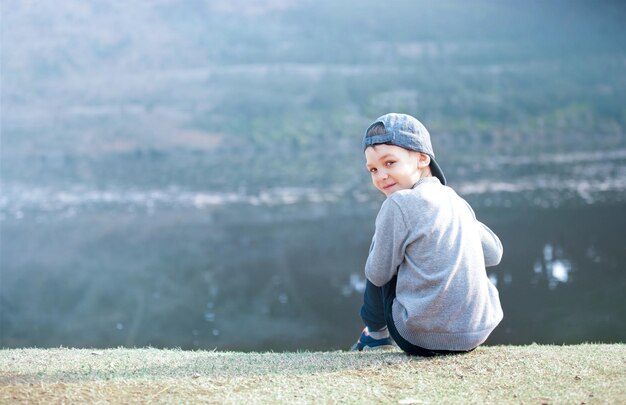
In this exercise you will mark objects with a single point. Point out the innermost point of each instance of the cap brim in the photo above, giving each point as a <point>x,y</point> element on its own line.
<point>436,171</point>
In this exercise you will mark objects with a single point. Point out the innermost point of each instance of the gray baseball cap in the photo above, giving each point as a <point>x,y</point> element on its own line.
<point>407,132</point>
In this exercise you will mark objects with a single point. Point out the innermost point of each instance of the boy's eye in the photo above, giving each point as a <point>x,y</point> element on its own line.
<point>389,163</point>
<point>373,170</point>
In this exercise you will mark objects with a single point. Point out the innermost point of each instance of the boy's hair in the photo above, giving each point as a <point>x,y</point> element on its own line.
<point>377,128</point>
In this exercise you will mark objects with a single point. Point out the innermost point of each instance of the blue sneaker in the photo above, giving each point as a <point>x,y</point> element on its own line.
<point>366,342</point>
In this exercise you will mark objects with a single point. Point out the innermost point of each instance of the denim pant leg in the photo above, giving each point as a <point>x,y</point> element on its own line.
<point>377,303</point>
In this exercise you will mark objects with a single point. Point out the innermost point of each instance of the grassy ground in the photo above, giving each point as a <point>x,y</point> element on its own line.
<point>502,374</point>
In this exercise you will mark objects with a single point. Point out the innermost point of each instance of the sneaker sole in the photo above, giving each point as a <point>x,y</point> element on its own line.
<point>381,347</point>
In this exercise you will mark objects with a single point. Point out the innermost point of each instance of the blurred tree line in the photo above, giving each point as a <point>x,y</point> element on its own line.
<point>169,92</point>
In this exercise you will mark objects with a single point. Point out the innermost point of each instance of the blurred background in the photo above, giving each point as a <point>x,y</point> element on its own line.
<point>189,173</point>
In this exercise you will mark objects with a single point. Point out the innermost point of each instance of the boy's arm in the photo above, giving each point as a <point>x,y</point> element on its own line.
<point>387,249</point>
<point>492,247</point>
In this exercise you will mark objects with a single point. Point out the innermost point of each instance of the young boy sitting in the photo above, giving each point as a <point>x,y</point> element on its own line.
<point>427,286</point>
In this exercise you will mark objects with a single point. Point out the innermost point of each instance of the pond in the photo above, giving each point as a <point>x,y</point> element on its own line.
<point>258,275</point>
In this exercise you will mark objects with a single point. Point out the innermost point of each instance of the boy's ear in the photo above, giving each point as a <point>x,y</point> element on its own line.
<point>423,160</point>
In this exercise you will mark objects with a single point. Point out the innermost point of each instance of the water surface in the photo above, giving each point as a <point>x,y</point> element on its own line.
<point>282,276</point>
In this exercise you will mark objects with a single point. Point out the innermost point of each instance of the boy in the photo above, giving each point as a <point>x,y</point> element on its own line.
<point>427,287</point>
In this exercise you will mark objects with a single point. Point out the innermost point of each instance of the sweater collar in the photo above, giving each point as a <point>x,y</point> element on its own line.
<point>429,179</point>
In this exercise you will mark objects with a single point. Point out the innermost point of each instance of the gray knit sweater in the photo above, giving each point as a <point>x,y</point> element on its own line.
<point>430,238</point>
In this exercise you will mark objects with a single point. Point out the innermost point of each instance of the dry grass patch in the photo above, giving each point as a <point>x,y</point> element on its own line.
<point>505,374</point>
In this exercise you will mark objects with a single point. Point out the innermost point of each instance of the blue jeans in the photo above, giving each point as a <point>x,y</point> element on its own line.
<point>376,313</point>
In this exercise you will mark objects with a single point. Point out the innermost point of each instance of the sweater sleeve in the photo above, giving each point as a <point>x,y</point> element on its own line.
<point>492,247</point>
<point>387,248</point>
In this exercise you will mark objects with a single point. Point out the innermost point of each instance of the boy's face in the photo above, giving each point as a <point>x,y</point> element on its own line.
<point>394,168</point>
